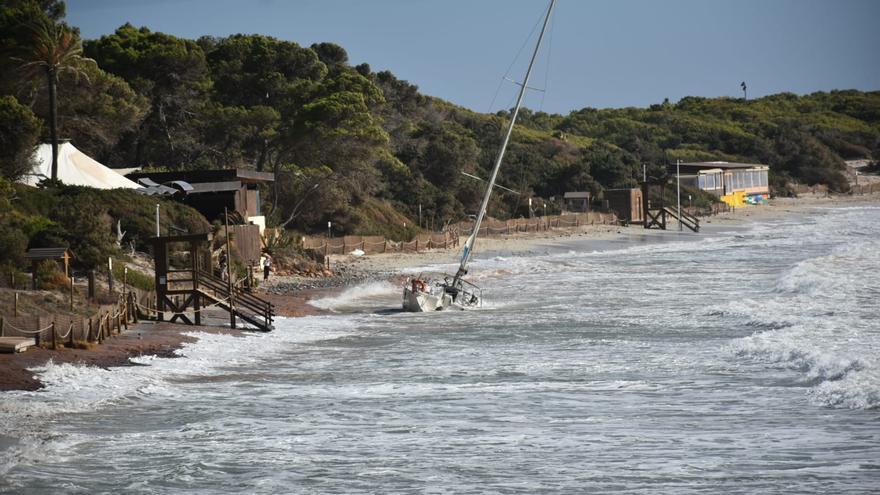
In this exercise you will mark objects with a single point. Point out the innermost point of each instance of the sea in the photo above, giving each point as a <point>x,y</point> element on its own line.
<point>737,360</point>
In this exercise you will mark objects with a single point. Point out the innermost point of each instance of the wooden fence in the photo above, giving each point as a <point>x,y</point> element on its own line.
<point>246,240</point>
<point>495,228</point>
<point>450,237</point>
<point>871,188</point>
<point>379,244</point>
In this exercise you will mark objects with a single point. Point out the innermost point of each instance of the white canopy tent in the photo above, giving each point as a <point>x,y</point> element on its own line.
<point>75,168</point>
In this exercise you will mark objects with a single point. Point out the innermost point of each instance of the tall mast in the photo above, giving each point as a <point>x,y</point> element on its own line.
<point>469,245</point>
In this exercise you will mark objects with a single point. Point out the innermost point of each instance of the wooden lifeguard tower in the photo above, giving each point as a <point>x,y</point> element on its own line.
<point>184,289</point>
<point>656,217</point>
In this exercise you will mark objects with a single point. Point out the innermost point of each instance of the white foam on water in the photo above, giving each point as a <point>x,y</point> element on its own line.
<point>740,363</point>
<point>358,295</point>
<point>818,320</point>
<point>72,388</point>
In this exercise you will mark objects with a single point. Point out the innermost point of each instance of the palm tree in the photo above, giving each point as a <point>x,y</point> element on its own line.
<point>55,48</point>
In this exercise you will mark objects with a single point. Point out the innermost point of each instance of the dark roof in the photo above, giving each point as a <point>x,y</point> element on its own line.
<point>198,176</point>
<point>722,165</point>
<point>209,187</point>
<point>55,253</point>
<point>577,195</point>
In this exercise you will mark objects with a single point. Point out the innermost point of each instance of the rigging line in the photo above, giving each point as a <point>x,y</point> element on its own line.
<point>518,53</point>
<point>547,73</point>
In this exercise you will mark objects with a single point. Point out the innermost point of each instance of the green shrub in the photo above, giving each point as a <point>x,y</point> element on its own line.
<point>50,276</point>
<point>134,278</point>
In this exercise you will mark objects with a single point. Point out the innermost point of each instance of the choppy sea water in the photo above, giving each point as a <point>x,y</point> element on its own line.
<point>745,361</point>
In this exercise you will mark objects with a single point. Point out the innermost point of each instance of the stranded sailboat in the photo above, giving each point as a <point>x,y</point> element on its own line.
<point>453,292</point>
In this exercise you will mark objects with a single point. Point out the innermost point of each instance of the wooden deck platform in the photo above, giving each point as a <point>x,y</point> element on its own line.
<point>16,344</point>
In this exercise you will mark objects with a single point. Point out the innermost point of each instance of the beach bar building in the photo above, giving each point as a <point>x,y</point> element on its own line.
<point>736,184</point>
<point>211,192</point>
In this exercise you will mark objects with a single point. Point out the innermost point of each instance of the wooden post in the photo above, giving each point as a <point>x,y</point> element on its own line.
<point>2,322</point>
<point>229,272</point>
<point>15,310</point>
<point>70,340</point>
<point>134,309</point>
<point>125,279</point>
<point>92,285</point>
<point>417,243</point>
<point>71,294</point>
<point>110,275</point>
<point>385,245</point>
<point>54,337</point>
<point>89,336</point>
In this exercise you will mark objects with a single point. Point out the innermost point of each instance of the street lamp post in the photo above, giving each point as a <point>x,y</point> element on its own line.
<point>329,225</point>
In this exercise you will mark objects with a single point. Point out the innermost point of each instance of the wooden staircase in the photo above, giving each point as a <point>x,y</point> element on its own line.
<point>658,218</point>
<point>245,305</point>
<point>686,219</point>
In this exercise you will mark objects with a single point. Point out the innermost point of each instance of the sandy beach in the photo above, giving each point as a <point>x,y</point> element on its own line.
<point>291,294</point>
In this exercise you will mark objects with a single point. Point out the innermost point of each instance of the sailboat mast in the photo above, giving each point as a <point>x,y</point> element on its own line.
<point>469,245</point>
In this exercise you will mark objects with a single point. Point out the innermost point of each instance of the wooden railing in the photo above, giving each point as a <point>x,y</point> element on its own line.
<point>250,308</point>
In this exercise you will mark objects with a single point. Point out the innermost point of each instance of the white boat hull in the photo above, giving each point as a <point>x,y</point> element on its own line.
<point>423,302</point>
<point>432,294</point>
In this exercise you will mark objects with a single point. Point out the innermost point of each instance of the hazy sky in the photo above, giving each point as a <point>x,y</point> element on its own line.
<point>597,54</point>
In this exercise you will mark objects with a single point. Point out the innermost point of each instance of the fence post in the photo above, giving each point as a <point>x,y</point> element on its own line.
<point>15,311</point>
<point>2,321</point>
<point>417,244</point>
<point>89,336</point>
<point>54,339</point>
<point>70,340</point>
<point>385,245</point>
<point>134,311</point>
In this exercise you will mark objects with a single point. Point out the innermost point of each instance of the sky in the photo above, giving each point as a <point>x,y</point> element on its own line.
<point>597,53</point>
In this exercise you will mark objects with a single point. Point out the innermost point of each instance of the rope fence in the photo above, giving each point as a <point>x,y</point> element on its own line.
<point>47,329</point>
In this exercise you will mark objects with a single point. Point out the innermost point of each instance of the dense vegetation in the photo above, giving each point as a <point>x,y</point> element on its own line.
<point>364,149</point>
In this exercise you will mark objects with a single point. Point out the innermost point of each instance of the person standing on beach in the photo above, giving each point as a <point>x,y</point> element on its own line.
<point>267,267</point>
<point>222,262</point>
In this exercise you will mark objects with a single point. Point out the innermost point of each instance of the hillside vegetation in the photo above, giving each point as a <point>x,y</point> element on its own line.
<point>362,148</point>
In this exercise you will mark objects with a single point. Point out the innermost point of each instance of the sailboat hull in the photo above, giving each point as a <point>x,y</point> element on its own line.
<point>423,302</point>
